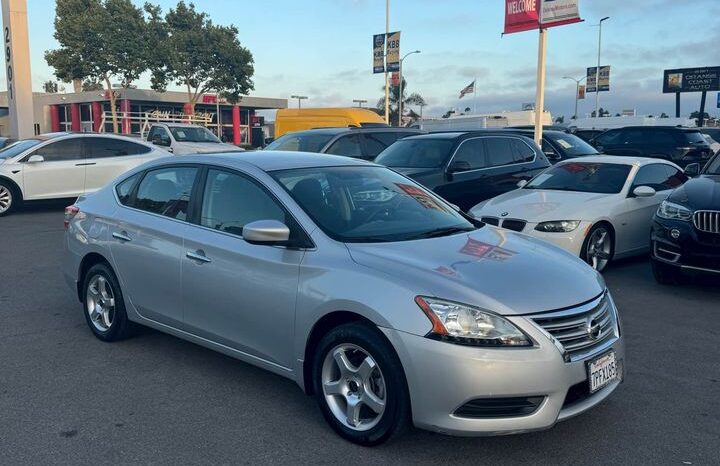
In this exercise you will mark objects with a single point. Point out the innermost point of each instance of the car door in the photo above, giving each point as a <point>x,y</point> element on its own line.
<point>377,141</point>
<point>235,293</point>
<point>467,180</point>
<point>610,141</point>
<point>61,173</point>
<point>108,157</point>
<point>147,241</point>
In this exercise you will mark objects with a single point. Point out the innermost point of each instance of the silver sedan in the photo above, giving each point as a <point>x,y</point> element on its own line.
<point>366,289</point>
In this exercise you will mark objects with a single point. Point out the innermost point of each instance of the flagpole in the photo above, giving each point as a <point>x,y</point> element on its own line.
<point>475,95</point>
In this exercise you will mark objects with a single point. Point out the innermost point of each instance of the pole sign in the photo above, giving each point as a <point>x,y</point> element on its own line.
<point>604,79</point>
<point>392,45</point>
<point>692,80</point>
<point>581,92</point>
<point>526,15</point>
<point>558,12</point>
<point>379,53</point>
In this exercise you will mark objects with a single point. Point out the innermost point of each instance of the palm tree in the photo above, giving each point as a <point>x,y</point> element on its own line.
<point>408,100</point>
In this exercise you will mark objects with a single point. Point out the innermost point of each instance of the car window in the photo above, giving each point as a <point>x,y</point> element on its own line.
<point>499,151</point>
<point>17,148</point>
<point>348,146</point>
<point>416,153</point>
<point>470,155</point>
<point>67,149</point>
<point>166,191</point>
<point>609,137</point>
<point>377,142</point>
<point>231,201</point>
<point>586,177</point>
<point>193,134</point>
<point>124,189</point>
<point>636,136</point>
<point>661,137</point>
<point>660,177</point>
<point>158,131</point>
<point>300,142</point>
<point>110,147</point>
<point>694,137</point>
<point>521,151</point>
<point>572,145</point>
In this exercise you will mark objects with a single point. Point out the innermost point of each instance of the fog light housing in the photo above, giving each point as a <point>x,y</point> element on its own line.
<point>675,233</point>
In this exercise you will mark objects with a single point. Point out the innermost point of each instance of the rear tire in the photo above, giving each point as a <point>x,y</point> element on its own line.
<point>354,365</point>
<point>10,198</point>
<point>665,274</point>
<point>104,306</point>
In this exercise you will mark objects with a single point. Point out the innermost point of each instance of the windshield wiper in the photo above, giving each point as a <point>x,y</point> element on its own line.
<point>442,232</point>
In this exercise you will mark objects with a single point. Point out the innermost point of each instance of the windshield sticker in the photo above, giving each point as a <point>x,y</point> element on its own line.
<point>564,143</point>
<point>180,134</point>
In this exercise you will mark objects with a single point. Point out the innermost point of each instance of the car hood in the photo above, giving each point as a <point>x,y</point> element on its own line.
<point>204,148</point>
<point>499,270</point>
<point>538,205</point>
<point>701,193</point>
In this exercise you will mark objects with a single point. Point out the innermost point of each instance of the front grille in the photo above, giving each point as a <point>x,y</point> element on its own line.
<point>583,330</point>
<point>491,220</point>
<point>515,225</point>
<point>484,408</point>
<point>707,221</point>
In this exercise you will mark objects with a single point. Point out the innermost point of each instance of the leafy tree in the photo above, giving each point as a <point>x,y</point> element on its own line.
<point>696,114</point>
<point>448,113</point>
<point>50,87</point>
<point>560,120</point>
<point>90,85</point>
<point>191,51</point>
<point>99,40</point>
<point>394,98</point>
<point>602,112</point>
<point>664,115</point>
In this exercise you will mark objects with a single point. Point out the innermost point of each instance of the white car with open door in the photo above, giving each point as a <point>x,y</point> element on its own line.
<point>64,165</point>
<point>599,208</point>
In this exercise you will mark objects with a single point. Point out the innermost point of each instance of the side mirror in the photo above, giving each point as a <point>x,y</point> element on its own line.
<point>692,170</point>
<point>644,191</point>
<point>522,183</point>
<point>266,232</point>
<point>158,140</point>
<point>36,159</point>
<point>458,166</point>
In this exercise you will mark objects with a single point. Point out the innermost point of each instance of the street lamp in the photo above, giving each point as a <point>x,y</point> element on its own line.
<point>597,72</point>
<point>360,102</point>
<point>299,98</point>
<point>577,91</point>
<point>400,99</point>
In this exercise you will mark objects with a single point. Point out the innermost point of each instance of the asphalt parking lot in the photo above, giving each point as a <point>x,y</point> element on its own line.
<point>67,398</point>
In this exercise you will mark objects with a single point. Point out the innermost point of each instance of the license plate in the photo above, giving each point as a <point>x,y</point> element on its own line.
<point>602,371</point>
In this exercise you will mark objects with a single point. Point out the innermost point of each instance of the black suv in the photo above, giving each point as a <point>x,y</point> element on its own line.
<point>559,145</point>
<point>360,143</point>
<point>674,143</point>
<point>466,167</point>
<point>686,228</point>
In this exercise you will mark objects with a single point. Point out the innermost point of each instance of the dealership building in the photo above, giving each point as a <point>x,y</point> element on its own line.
<point>137,108</point>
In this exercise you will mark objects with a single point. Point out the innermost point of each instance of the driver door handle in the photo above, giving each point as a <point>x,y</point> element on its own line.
<point>198,255</point>
<point>122,236</point>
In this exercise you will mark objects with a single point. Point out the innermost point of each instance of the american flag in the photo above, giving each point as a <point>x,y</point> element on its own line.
<point>470,88</point>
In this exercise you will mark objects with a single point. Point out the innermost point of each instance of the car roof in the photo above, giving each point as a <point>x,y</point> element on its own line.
<point>271,160</point>
<point>616,159</point>
<point>178,125</point>
<point>466,134</point>
<point>353,129</point>
<point>659,127</point>
<point>525,131</point>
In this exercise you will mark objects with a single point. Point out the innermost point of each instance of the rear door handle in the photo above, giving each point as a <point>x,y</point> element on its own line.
<point>198,255</point>
<point>85,164</point>
<point>122,236</point>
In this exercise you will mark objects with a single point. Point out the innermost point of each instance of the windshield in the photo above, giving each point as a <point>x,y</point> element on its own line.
<point>604,178</point>
<point>572,145</point>
<point>301,142</point>
<point>713,167</point>
<point>369,204</point>
<point>193,134</point>
<point>18,148</point>
<point>416,153</point>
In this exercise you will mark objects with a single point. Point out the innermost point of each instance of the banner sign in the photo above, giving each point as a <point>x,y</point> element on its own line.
<point>379,53</point>
<point>692,80</point>
<point>558,12</point>
<point>604,79</point>
<point>521,15</point>
<point>581,92</point>
<point>393,51</point>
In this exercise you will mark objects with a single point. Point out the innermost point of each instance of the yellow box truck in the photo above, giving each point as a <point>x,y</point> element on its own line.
<point>298,119</point>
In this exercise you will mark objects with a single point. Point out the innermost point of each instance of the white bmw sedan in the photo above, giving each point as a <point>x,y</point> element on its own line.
<point>599,208</point>
<point>64,165</point>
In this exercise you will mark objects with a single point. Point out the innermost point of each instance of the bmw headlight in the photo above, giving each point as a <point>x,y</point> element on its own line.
<point>468,325</point>
<point>672,211</point>
<point>558,226</point>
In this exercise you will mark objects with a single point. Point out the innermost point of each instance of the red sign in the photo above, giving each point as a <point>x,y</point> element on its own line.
<point>395,78</point>
<point>521,15</point>
<point>581,92</point>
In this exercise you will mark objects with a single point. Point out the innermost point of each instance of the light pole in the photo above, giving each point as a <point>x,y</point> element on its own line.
<point>597,71</point>
<point>577,91</point>
<point>400,99</point>
<point>360,102</point>
<point>299,98</point>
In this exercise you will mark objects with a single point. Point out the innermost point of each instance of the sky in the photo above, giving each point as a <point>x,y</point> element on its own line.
<point>323,49</point>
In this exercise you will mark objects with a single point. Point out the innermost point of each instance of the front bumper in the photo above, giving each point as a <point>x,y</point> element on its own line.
<point>442,377</point>
<point>691,251</point>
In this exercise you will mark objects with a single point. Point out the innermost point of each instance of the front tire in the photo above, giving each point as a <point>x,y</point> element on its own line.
<point>10,199</point>
<point>599,247</point>
<point>104,306</point>
<point>665,274</point>
<point>360,384</point>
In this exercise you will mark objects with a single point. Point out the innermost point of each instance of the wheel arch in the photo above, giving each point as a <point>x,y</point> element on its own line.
<point>90,259</point>
<point>14,186</point>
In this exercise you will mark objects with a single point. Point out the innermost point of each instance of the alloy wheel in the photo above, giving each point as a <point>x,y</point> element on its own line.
<point>599,247</point>
<point>6,199</point>
<point>354,387</point>
<point>100,303</point>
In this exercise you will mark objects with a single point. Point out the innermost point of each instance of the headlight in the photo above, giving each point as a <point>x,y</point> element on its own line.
<point>558,226</point>
<point>673,211</point>
<point>467,325</point>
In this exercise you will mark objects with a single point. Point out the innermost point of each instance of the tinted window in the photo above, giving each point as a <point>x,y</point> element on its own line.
<point>232,201</point>
<point>300,142</point>
<point>166,191</point>
<point>346,145</point>
<point>193,134</point>
<point>665,138</point>
<point>470,155</point>
<point>67,149</point>
<point>158,131</point>
<point>659,177</point>
<point>713,166</point>
<point>124,189</point>
<point>416,153</point>
<point>378,142</point>
<point>521,151</point>
<point>606,178</point>
<point>609,137</point>
<point>694,137</point>
<point>110,147</point>
<point>499,151</point>
<point>18,148</point>
<point>572,145</point>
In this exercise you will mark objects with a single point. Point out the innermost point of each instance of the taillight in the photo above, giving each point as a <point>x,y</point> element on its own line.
<point>70,213</point>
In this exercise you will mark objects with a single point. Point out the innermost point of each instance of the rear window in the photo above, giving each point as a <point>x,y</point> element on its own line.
<point>416,153</point>
<point>694,137</point>
<point>300,142</point>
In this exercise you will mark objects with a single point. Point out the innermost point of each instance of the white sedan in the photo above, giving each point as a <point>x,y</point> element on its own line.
<point>599,208</point>
<point>64,165</point>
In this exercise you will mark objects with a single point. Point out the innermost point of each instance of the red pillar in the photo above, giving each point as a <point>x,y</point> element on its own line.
<point>54,118</point>
<point>97,111</point>
<point>75,117</point>
<point>236,124</point>
<point>251,117</point>
<point>188,109</point>
<point>125,110</point>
